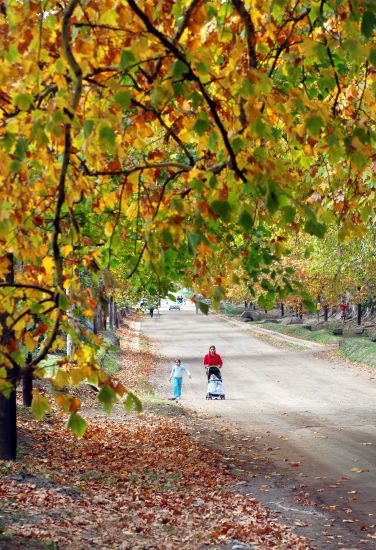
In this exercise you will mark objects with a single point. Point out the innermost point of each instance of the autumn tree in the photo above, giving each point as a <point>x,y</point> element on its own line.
<point>169,130</point>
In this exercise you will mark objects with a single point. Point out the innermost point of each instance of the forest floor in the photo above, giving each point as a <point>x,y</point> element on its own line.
<point>134,481</point>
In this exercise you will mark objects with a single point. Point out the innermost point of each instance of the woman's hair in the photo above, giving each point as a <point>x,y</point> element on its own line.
<point>211,347</point>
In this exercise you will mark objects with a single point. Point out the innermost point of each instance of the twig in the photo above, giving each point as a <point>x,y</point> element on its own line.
<point>192,76</point>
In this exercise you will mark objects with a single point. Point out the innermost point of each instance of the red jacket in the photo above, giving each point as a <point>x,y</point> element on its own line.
<point>213,360</point>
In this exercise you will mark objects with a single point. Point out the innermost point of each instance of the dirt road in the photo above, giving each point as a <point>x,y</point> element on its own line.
<point>311,423</point>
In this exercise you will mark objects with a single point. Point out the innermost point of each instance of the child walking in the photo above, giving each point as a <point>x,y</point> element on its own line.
<point>177,372</point>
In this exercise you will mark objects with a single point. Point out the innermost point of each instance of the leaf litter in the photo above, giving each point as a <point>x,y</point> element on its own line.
<point>131,482</point>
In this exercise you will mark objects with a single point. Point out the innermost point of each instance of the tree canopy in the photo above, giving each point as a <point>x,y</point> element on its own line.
<point>186,139</point>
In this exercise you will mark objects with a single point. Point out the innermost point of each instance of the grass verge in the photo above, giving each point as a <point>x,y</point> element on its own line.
<point>319,336</point>
<point>357,349</point>
<point>360,350</point>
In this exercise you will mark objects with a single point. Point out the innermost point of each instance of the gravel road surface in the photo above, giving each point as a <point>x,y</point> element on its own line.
<point>312,421</point>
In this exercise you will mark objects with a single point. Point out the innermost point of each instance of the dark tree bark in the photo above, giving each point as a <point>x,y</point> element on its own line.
<point>116,315</point>
<point>326,311</point>
<point>282,309</point>
<point>111,312</point>
<point>8,410</point>
<point>359,314</point>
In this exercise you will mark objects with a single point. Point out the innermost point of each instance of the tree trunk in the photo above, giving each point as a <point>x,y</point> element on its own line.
<point>359,314</point>
<point>282,309</point>
<point>98,319</point>
<point>111,312</point>
<point>8,410</point>
<point>326,311</point>
<point>27,385</point>
<point>70,346</point>
<point>116,314</point>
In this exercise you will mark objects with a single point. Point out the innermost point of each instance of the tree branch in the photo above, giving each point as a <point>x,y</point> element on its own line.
<point>170,46</point>
<point>32,287</point>
<point>249,30</point>
<point>169,130</point>
<point>137,168</point>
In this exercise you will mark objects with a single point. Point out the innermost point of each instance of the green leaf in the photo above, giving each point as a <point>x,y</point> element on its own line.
<point>260,128</point>
<point>179,68</point>
<point>368,23</point>
<point>288,213</point>
<point>201,124</point>
<point>308,302</point>
<point>107,137</point>
<point>218,294</point>
<point>107,397</point>
<point>88,127</point>
<point>21,148</point>
<point>39,406</point>
<point>272,199</point>
<point>194,240</point>
<point>213,141</point>
<point>314,124</point>
<point>372,57</point>
<point>15,166</point>
<point>245,220</point>
<point>246,89</point>
<point>77,424</point>
<point>123,98</point>
<point>204,308</point>
<point>23,101</point>
<point>63,301</point>
<point>237,143</point>
<point>132,401</point>
<point>313,227</point>
<point>266,301</point>
<point>222,209</point>
<point>126,59</point>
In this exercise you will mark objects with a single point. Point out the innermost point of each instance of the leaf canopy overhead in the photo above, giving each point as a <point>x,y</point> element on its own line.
<point>175,136</point>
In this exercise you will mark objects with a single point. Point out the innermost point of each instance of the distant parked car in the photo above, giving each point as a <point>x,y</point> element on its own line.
<point>174,306</point>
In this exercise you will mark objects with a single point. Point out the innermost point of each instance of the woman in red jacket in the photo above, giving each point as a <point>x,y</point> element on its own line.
<point>213,363</point>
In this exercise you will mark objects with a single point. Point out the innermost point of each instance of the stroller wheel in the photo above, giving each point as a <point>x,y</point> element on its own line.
<point>223,397</point>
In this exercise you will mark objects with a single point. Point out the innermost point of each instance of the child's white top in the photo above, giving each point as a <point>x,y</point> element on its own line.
<point>177,371</point>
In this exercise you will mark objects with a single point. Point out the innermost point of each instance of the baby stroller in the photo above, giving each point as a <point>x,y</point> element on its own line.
<point>215,384</point>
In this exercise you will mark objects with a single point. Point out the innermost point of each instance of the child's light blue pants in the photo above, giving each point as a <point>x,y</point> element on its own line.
<point>178,382</point>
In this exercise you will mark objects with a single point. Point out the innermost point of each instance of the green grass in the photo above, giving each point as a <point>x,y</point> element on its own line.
<point>358,349</point>
<point>319,336</point>
<point>109,355</point>
<point>109,361</point>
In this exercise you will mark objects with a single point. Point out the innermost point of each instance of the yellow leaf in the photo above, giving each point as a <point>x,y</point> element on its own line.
<point>61,379</point>
<point>48,264</point>
<point>110,200</point>
<point>29,342</point>
<point>66,250</point>
<point>4,267</point>
<point>109,17</point>
<point>77,376</point>
<point>63,401</point>
<point>108,229</point>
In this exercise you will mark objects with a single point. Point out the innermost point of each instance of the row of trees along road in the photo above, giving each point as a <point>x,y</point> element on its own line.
<point>334,271</point>
<point>167,141</point>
